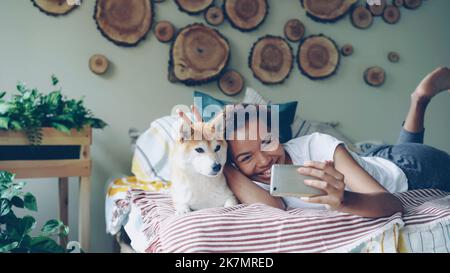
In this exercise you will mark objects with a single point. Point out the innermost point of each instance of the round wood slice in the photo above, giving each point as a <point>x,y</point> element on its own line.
<point>214,16</point>
<point>193,7</point>
<point>124,22</point>
<point>361,17</point>
<point>398,3</point>
<point>377,10</point>
<point>98,64</point>
<point>327,10</point>
<point>199,54</point>
<point>391,14</point>
<point>164,31</point>
<point>347,50</point>
<point>375,76</point>
<point>54,7</point>
<point>231,83</point>
<point>271,59</point>
<point>412,4</point>
<point>318,57</point>
<point>393,57</point>
<point>246,15</point>
<point>294,30</point>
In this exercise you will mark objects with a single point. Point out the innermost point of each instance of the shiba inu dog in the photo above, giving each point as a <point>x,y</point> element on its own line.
<point>198,159</point>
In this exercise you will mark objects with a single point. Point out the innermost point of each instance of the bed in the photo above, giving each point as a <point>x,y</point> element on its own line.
<point>139,210</point>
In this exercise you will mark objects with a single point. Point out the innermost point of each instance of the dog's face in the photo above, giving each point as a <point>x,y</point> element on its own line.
<point>206,156</point>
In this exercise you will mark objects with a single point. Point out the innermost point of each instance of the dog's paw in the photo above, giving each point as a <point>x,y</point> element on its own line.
<point>230,202</point>
<point>182,210</point>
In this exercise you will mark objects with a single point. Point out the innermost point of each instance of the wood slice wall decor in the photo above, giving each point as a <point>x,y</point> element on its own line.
<point>246,15</point>
<point>361,17</point>
<point>231,83</point>
<point>377,10</point>
<point>294,30</point>
<point>393,57</point>
<point>412,4</point>
<point>398,3</point>
<point>124,22</point>
<point>271,59</point>
<point>214,16</point>
<point>375,76</point>
<point>193,7</point>
<point>347,50</point>
<point>164,31</point>
<point>318,57</point>
<point>198,55</point>
<point>54,7</point>
<point>327,10</point>
<point>99,64</point>
<point>391,14</point>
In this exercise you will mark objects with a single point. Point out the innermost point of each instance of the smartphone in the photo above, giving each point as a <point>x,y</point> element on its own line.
<point>287,181</point>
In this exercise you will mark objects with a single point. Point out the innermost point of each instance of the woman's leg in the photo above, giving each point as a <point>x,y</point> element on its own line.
<point>434,83</point>
<point>424,166</point>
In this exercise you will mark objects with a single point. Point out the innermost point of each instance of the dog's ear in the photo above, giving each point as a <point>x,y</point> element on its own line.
<point>216,126</point>
<point>185,131</point>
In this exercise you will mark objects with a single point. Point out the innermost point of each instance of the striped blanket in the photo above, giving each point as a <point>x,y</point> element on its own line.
<point>153,227</point>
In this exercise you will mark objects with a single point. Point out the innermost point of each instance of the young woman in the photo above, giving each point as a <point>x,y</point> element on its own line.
<point>354,184</point>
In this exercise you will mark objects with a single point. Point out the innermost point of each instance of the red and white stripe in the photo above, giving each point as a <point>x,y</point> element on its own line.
<point>259,228</point>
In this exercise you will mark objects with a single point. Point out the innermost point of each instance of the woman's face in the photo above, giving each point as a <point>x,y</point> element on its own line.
<point>255,157</point>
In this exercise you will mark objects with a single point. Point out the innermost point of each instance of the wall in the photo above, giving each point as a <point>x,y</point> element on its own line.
<point>135,91</point>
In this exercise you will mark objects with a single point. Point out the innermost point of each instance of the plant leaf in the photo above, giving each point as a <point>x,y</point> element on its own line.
<point>52,227</point>
<point>4,122</point>
<point>30,202</point>
<point>6,177</point>
<point>16,125</point>
<point>54,80</point>
<point>43,244</point>
<point>17,202</point>
<point>60,127</point>
<point>2,94</point>
<point>21,87</point>
<point>26,225</point>
<point>5,207</point>
<point>4,108</point>
<point>8,247</point>
<point>14,189</point>
<point>96,123</point>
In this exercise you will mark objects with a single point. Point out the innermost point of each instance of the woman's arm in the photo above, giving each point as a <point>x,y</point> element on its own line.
<point>368,199</point>
<point>248,192</point>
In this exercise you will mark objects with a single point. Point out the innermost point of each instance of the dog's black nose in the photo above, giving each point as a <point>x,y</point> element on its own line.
<point>216,167</point>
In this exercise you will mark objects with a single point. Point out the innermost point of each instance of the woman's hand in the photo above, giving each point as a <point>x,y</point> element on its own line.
<point>328,179</point>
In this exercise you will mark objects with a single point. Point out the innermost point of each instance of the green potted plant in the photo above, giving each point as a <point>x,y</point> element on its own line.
<point>30,111</point>
<point>15,232</point>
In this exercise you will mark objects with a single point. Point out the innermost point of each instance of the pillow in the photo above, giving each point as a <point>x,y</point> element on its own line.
<point>286,115</point>
<point>152,151</point>
<point>303,127</point>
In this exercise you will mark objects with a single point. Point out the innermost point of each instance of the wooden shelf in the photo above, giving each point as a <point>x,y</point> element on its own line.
<point>60,168</point>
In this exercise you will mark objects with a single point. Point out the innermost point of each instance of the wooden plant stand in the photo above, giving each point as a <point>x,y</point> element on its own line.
<point>78,165</point>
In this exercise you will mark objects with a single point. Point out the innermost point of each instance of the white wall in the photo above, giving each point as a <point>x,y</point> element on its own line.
<point>135,91</point>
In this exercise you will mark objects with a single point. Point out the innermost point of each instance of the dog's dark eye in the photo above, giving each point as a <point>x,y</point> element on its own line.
<point>217,148</point>
<point>199,150</point>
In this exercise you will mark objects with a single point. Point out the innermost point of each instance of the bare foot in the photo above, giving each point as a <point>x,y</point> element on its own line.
<point>434,83</point>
